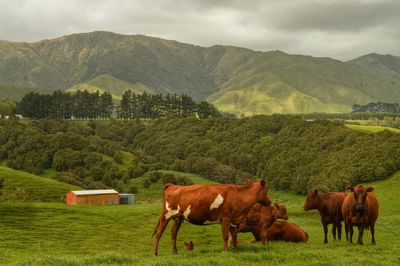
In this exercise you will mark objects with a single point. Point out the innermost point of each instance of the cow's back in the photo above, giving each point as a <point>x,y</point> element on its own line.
<point>285,231</point>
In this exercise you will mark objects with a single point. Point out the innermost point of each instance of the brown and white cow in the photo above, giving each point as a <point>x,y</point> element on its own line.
<point>260,217</point>
<point>329,206</point>
<point>284,231</point>
<point>360,208</point>
<point>207,204</point>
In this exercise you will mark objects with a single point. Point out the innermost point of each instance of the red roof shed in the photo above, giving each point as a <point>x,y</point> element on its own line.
<point>92,197</point>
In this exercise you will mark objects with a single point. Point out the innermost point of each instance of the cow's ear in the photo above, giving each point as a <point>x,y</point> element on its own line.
<point>315,192</point>
<point>370,189</point>
<point>191,243</point>
<point>248,182</point>
<point>262,182</point>
<point>350,189</point>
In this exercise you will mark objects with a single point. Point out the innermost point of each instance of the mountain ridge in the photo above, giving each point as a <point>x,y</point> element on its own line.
<point>235,79</point>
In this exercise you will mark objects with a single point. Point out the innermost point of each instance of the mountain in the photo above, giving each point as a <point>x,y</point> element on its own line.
<point>236,80</point>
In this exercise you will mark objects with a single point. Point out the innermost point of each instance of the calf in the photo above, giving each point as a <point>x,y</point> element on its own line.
<point>189,245</point>
<point>260,217</point>
<point>206,204</point>
<point>329,206</point>
<point>360,208</point>
<point>284,231</point>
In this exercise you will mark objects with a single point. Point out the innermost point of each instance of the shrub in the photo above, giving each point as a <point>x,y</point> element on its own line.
<point>146,183</point>
<point>155,176</point>
<point>133,189</point>
<point>169,178</point>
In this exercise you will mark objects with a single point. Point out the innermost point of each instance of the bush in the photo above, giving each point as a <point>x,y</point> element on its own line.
<point>184,181</point>
<point>146,183</point>
<point>118,158</point>
<point>133,189</point>
<point>169,178</point>
<point>155,176</point>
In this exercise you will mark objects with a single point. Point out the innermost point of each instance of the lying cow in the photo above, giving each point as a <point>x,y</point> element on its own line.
<point>260,217</point>
<point>329,206</point>
<point>206,204</point>
<point>360,208</point>
<point>284,231</point>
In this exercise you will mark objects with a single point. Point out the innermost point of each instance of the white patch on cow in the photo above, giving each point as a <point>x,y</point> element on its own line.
<point>206,222</point>
<point>186,212</point>
<point>170,212</point>
<point>217,202</point>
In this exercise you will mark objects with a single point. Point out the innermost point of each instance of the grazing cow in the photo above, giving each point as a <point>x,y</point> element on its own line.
<point>284,231</point>
<point>329,206</point>
<point>360,208</point>
<point>260,217</point>
<point>189,245</point>
<point>206,204</point>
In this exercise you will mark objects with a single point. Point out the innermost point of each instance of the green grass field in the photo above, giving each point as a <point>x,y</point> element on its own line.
<point>39,233</point>
<point>372,129</point>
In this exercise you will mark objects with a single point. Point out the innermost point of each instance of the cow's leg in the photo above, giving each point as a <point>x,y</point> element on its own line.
<point>334,230</point>
<point>360,234</point>
<point>233,233</point>
<point>339,230</point>
<point>162,224</point>
<point>373,234</point>
<point>256,235</point>
<point>225,223</point>
<point>325,225</point>
<point>351,232</point>
<point>346,229</point>
<point>174,233</point>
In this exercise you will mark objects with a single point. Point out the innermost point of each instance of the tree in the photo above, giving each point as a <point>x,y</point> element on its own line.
<point>206,110</point>
<point>106,105</point>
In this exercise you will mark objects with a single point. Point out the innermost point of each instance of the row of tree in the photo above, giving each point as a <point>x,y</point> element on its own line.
<point>153,106</point>
<point>378,107</point>
<point>81,105</point>
<point>86,105</point>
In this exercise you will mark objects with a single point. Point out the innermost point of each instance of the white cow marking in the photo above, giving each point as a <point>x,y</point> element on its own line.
<point>217,202</point>
<point>171,212</point>
<point>186,212</point>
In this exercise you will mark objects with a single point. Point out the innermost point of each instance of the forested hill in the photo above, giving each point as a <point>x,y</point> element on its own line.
<point>235,79</point>
<point>291,153</point>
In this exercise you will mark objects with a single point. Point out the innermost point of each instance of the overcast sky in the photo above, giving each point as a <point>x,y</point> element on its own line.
<point>341,29</point>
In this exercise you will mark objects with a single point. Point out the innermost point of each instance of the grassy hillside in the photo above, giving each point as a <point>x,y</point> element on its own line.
<point>20,186</point>
<point>236,80</point>
<point>372,129</point>
<point>16,93</point>
<point>121,235</point>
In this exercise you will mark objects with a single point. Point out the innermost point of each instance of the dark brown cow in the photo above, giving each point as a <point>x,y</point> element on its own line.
<point>206,204</point>
<point>189,245</point>
<point>360,208</point>
<point>284,231</point>
<point>260,217</point>
<point>329,206</point>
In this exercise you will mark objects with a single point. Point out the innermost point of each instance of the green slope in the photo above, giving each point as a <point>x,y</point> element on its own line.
<point>107,82</point>
<point>20,186</point>
<point>16,93</point>
<point>237,80</point>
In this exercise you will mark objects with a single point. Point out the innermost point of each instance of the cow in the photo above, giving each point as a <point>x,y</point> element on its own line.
<point>284,231</point>
<point>189,245</point>
<point>206,204</point>
<point>329,206</point>
<point>260,217</point>
<point>360,208</point>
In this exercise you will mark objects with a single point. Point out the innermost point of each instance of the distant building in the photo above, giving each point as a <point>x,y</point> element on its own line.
<point>93,197</point>
<point>126,199</point>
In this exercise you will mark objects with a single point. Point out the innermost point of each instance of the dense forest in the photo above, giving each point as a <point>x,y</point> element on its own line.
<point>290,152</point>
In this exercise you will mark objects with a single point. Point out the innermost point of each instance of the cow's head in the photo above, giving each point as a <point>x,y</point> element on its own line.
<point>360,195</point>
<point>311,200</point>
<point>262,191</point>
<point>281,211</point>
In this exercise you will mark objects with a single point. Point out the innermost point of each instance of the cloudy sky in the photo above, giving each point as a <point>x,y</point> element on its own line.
<point>341,29</point>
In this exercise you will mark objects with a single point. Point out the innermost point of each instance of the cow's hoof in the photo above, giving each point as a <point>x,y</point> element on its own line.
<point>373,243</point>
<point>325,241</point>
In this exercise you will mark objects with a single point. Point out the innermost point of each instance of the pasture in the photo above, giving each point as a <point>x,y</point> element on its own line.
<point>39,233</point>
